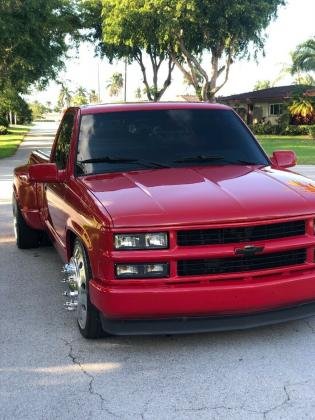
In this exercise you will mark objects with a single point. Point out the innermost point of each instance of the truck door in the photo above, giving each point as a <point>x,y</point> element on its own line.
<point>56,217</point>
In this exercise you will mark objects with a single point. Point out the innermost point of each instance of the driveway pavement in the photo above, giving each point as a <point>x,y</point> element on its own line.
<point>48,371</point>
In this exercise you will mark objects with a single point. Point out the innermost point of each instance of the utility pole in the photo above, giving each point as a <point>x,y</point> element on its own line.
<point>125,87</point>
<point>98,83</point>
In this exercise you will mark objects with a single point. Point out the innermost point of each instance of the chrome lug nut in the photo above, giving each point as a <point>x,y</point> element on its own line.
<point>71,305</point>
<point>69,293</point>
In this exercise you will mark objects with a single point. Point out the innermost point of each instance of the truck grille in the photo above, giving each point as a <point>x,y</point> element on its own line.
<point>240,234</point>
<point>241,264</point>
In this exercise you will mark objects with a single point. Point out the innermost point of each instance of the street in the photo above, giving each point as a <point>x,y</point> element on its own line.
<point>49,371</point>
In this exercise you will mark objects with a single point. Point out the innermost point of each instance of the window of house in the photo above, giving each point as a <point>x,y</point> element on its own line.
<point>276,109</point>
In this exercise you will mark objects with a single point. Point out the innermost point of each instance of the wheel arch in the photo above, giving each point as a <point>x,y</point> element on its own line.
<point>71,236</point>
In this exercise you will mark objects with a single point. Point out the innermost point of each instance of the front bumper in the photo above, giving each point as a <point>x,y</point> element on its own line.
<point>208,302</point>
<point>184,325</point>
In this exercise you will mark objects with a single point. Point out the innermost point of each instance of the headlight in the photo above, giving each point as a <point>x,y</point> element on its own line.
<point>129,271</point>
<point>157,240</point>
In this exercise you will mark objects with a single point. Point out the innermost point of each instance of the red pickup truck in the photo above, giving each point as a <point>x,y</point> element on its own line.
<point>170,218</point>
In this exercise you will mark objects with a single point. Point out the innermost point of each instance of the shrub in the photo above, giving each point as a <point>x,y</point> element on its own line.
<point>3,130</point>
<point>266,128</point>
<point>296,130</point>
<point>279,129</point>
<point>3,121</point>
<point>311,129</point>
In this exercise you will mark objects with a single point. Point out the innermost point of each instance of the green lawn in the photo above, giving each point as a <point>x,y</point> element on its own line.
<point>303,146</point>
<point>10,142</point>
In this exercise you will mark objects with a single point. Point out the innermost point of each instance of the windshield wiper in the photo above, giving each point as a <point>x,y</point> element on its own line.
<point>108,159</point>
<point>150,164</point>
<point>199,158</point>
<point>243,162</point>
<point>203,158</point>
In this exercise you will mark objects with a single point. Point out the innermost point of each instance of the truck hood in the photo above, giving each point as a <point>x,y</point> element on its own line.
<point>199,195</point>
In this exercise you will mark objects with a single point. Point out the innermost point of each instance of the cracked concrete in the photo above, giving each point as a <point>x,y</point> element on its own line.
<point>48,371</point>
<point>76,361</point>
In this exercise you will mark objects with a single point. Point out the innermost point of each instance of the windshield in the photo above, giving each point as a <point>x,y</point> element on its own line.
<point>133,140</point>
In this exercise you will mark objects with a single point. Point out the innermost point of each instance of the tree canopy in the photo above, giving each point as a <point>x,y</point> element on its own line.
<point>134,30</point>
<point>222,29</point>
<point>34,38</point>
<point>201,37</point>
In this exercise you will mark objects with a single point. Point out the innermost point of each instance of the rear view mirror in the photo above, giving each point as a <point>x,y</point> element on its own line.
<point>45,172</point>
<point>283,158</point>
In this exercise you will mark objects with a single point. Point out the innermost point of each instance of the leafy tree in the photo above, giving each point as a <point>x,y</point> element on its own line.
<point>134,30</point>
<point>34,37</point>
<point>223,29</point>
<point>262,84</point>
<point>180,32</point>
<point>11,103</point>
<point>38,110</point>
<point>115,84</point>
<point>304,57</point>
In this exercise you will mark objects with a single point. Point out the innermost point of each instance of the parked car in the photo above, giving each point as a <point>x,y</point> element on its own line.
<point>170,218</point>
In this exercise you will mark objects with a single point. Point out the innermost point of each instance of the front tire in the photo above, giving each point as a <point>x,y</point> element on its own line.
<point>25,236</point>
<point>88,318</point>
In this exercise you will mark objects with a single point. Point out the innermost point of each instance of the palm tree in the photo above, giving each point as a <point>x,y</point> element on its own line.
<point>302,107</point>
<point>64,97</point>
<point>115,84</point>
<point>80,97</point>
<point>93,97</point>
<point>304,57</point>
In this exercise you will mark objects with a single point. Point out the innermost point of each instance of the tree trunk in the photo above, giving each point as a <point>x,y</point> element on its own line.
<point>206,86</point>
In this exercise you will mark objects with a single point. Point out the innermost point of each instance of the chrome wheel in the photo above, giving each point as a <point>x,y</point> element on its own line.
<point>77,276</point>
<point>80,280</point>
<point>15,226</point>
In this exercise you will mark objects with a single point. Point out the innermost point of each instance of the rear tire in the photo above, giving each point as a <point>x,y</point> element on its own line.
<point>88,317</point>
<point>25,236</point>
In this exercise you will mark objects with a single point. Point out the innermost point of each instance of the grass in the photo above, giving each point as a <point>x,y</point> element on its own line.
<point>11,141</point>
<point>303,146</point>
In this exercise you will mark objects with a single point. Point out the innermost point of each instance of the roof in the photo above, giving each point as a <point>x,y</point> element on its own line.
<point>265,95</point>
<point>147,106</point>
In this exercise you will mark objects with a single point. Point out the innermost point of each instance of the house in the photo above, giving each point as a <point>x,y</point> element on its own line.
<point>265,104</point>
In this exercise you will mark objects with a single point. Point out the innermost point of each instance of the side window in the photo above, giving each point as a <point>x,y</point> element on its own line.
<point>63,141</point>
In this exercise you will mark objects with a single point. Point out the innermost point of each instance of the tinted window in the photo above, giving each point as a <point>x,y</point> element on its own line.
<point>163,137</point>
<point>63,142</point>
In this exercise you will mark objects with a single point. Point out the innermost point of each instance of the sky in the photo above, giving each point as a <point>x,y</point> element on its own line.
<point>295,24</point>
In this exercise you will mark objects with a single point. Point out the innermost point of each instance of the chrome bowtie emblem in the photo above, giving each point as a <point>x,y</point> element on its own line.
<point>249,250</point>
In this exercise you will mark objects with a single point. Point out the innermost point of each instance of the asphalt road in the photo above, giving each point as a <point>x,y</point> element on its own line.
<point>48,371</point>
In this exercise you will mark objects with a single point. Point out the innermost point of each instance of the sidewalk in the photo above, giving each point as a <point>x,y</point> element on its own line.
<point>40,137</point>
<point>307,170</point>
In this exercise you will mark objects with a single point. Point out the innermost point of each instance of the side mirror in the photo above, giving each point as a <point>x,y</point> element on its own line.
<point>45,172</point>
<point>283,159</point>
